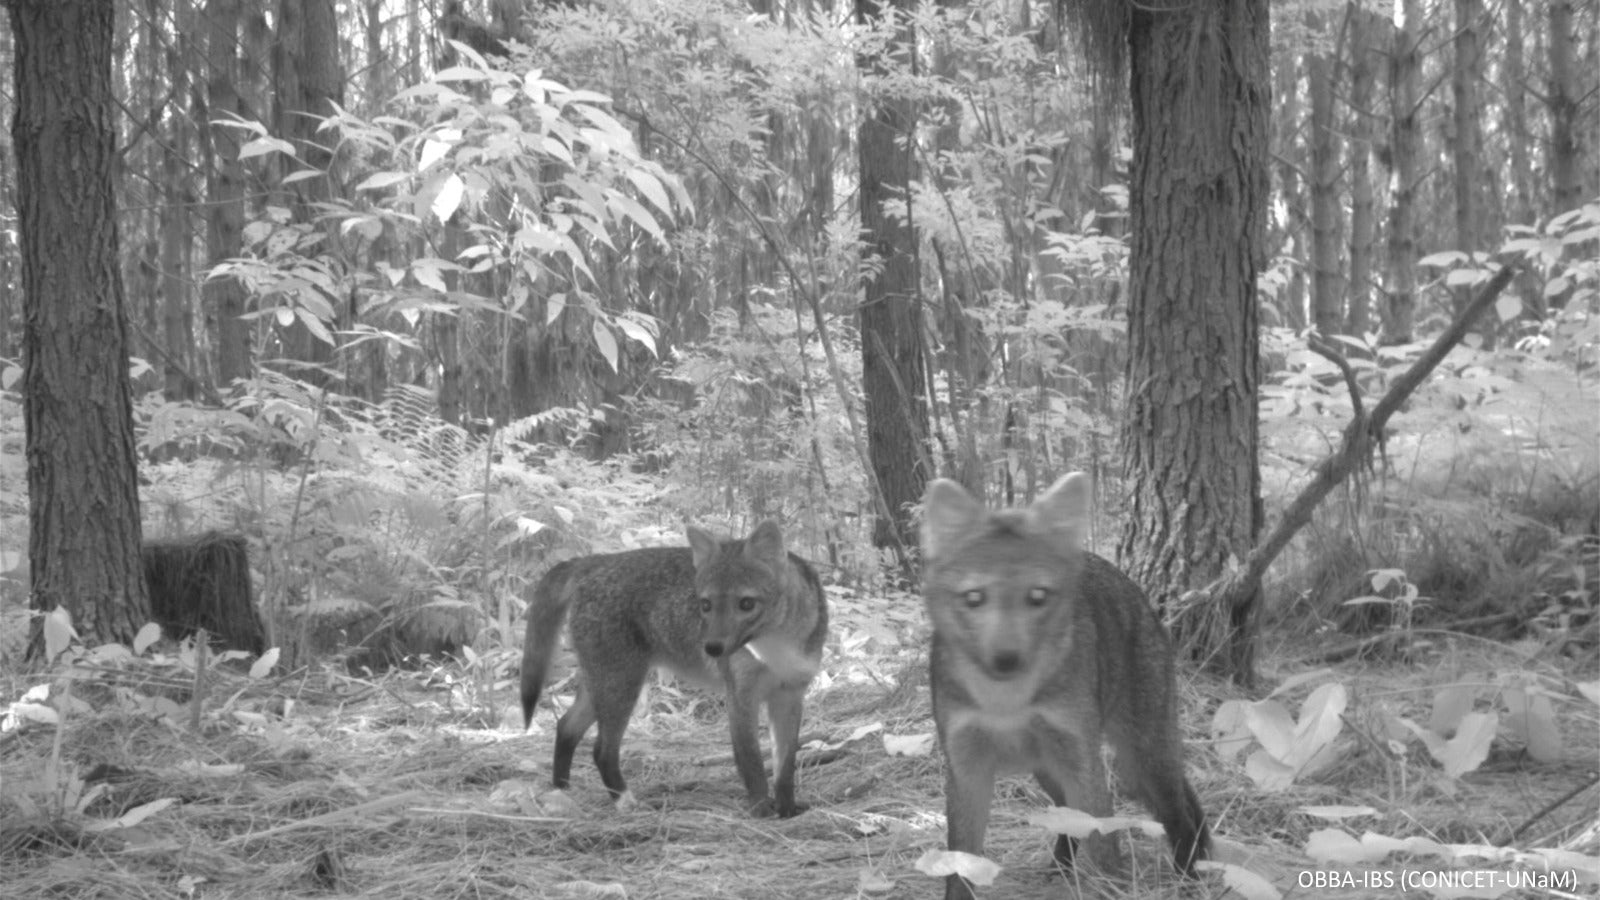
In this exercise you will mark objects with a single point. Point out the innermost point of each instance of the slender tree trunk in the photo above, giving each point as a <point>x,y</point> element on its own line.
<point>84,530</point>
<point>1566,151</point>
<point>1287,149</point>
<point>1513,71</point>
<point>1199,191</point>
<point>1363,30</point>
<point>893,370</point>
<point>177,306</point>
<point>1474,231</point>
<point>1404,148</point>
<point>373,32</point>
<point>1327,271</point>
<point>224,298</point>
<point>306,84</point>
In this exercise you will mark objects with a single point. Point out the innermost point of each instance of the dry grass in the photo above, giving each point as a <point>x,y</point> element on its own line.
<point>410,786</point>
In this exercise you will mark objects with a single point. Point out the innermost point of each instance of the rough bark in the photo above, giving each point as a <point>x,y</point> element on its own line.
<point>893,369</point>
<point>84,529</point>
<point>1400,301</point>
<point>1199,191</point>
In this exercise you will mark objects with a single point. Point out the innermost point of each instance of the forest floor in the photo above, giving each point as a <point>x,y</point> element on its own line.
<point>423,784</point>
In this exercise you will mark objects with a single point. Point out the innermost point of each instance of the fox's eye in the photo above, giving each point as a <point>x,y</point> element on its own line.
<point>705,605</point>
<point>973,598</point>
<point>1037,596</point>
<point>746,604</point>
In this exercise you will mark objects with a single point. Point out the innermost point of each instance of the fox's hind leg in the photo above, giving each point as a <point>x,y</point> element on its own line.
<point>574,723</point>
<point>613,697</point>
<point>1073,775</point>
<point>1154,773</point>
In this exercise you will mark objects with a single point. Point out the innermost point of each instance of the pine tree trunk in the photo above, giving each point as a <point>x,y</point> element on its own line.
<point>224,298</point>
<point>1199,192</point>
<point>1475,232</point>
<point>1400,302</point>
<point>306,83</point>
<point>1566,155</point>
<point>1327,271</point>
<point>84,529</point>
<point>1362,31</point>
<point>1287,149</point>
<point>894,375</point>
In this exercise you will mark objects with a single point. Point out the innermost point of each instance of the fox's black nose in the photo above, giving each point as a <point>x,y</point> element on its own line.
<point>1006,662</point>
<point>713,649</point>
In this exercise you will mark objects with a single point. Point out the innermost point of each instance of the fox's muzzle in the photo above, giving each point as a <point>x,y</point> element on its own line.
<point>1005,663</point>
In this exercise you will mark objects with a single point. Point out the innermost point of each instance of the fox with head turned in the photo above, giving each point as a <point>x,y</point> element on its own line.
<point>744,614</point>
<point>1041,651</point>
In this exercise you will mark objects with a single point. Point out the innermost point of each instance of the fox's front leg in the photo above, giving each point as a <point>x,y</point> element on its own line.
<point>968,792</point>
<point>744,726</point>
<point>783,711</point>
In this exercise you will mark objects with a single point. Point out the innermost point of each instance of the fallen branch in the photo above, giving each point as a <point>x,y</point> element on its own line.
<point>1231,596</point>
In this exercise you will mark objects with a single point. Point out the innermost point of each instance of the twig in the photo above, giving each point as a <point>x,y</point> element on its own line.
<point>1549,808</point>
<point>1234,588</point>
<point>1320,346</point>
<point>360,810</point>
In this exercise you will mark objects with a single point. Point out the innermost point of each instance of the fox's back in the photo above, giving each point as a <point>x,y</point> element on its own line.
<point>647,602</point>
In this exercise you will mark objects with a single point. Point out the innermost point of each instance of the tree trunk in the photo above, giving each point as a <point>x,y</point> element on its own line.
<point>177,308</point>
<point>84,530</point>
<point>893,371</point>
<point>1474,230</point>
<point>1515,122</point>
<point>224,298</point>
<point>1291,160</point>
<point>1327,271</point>
<point>1363,34</point>
<point>1199,191</point>
<point>1400,302</point>
<point>306,83</point>
<point>1566,153</point>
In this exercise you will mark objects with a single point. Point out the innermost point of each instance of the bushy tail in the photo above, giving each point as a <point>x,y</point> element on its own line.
<point>547,608</point>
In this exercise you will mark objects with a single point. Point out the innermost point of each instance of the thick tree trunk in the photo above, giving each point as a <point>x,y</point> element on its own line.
<point>1400,302</point>
<point>1363,34</point>
<point>893,370</point>
<point>84,530</point>
<point>1327,271</point>
<point>1200,84</point>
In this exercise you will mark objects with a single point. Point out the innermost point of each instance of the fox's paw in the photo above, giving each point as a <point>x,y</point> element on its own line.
<point>766,808</point>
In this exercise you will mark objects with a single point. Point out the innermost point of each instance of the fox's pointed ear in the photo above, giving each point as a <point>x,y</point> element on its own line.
<point>1062,513</point>
<point>949,514</point>
<point>766,544</point>
<point>703,545</point>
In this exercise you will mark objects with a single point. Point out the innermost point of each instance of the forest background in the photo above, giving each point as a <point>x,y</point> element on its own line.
<point>369,317</point>
<point>418,325</point>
